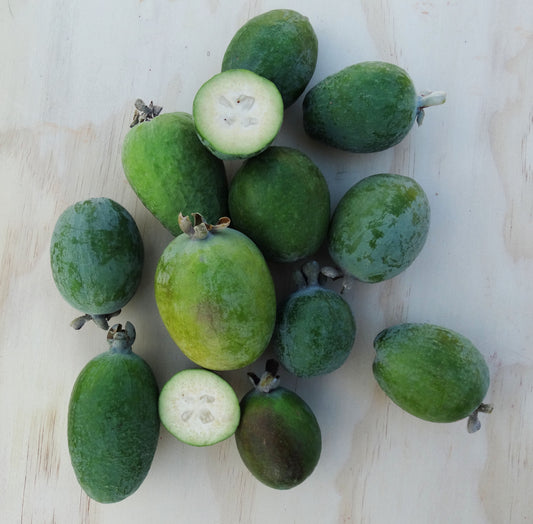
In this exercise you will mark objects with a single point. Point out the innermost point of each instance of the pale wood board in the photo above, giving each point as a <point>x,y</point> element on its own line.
<point>70,74</point>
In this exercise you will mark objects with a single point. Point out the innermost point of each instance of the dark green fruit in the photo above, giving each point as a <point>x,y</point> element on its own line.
<point>365,107</point>
<point>315,330</point>
<point>281,200</point>
<point>379,227</point>
<point>431,372</point>
<point>172,172</point>
<point>278,437</point>
<point>113,422</point>
<point>96,255</point>
<point>280,45</point>
<point>215,295</point>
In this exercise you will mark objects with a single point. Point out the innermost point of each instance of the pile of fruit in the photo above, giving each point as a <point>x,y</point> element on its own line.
<point>213,286</point>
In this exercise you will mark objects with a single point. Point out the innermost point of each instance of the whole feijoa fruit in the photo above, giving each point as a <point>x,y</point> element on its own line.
<point>365,107</point>
<point>280,45</point>
<point>172,172</point>
<point>432,372</point>
<point>281,200</point>
<point>379,227</point>
<point>237,113</point>
<point>96,256</point>
<point>278,438</point>
<point>215,295</point>
<point>315,330</point>
<point>113,422</point>
<point>199,407</point>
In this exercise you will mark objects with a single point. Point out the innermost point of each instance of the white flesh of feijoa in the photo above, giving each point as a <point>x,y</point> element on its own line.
<point>237,113</point>
<point>199,407</point>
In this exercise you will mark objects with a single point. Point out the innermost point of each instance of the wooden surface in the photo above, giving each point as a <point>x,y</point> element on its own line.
<point>70,74</point>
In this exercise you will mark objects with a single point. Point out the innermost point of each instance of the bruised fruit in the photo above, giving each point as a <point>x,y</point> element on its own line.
<point>278,437</point>
<point>379,227</point>
<point>113,422</point>
<point>366,107</point>
<point>280,199</point>
<point>96,255</point>
<point>199,407</point>
<point>316,329</point>
<point>432,372</point>
<point>172,172</point>
<point>215,295</point>
<point>280,45</point>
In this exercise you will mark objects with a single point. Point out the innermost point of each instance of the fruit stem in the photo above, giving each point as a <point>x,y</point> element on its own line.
<point>200,229</point>
<point>269,379</point>
<point>121,339</point>
<point>428,99</point>
<point>100,320</point>
<point>473,423</point>
<point>144,112</point>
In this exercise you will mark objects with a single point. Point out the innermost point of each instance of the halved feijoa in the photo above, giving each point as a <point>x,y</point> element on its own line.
<point>96,255</point>
<point>280,45</point>
<point>281,200</point>
<point>432,372</point>
<point>237,113</point>
<point>379,227</point>
<point>365,107</point>
<point>199,407</point>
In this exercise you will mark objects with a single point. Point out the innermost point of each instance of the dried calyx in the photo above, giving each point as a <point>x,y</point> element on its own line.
<point>102,321</point>
<point>269,380</point>
<point>144,112</point>
<point>198,228</point>
<point>473,423</point>
<point>120,338</point>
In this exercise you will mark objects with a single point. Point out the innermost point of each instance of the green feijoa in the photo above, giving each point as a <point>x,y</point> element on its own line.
<point>278,437</point>
<point>365,107</point>
<point>316,329</point>
<point>281,200</point>
<point>172,172</point>
<point>379,227</point>
<point>113,421</point>
<point>96,256</point>
<point>215,295</point>
<point>237,113</point>
<point>432,372</point>
<point>280,45</point>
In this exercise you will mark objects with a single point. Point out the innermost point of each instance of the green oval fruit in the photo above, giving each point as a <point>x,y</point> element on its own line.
<point>281,200</point>
<point>199,407</point>
<point>96,255</point>
<point>430,371</point>
<point>113,422</point>
<point>172,172</point>
<point>280,45</point>
<point>365,107</point>
<point>278,437</point>
<point>215,295</point>
<point>315,330</point>
<point>379,227</point>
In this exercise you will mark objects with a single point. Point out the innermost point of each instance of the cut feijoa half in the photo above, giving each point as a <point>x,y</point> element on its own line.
<point>237,113</point>
<point>199,407</point>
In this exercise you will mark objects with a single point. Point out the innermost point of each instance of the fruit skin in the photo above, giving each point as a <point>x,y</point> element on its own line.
<point>113,424</point>
<point>96,256</point>
<point>364,108</point>
<point>430,371</point>
<point>281,200</point>
<point>379,227</point>
<point>171,171</point>
<point>216,298</point>
<point>280,45</point>
<point>278,437</point>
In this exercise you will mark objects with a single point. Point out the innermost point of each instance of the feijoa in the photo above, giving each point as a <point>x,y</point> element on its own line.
<point>365,107</point>
<point>237,113</point>
<point>215,295</point>
<point>432,372</point>
<point>172,172</point>
<point>113,421</point>
<point>280,199</point>
<point>96,255</point>
<point>379,227</point>
<point>278,437</point>
<point>315,330</point>
<point>280,45</point>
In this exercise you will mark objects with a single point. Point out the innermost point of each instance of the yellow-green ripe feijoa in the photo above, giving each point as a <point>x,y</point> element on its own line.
<point>431,371</point>
<point>379,227</point>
